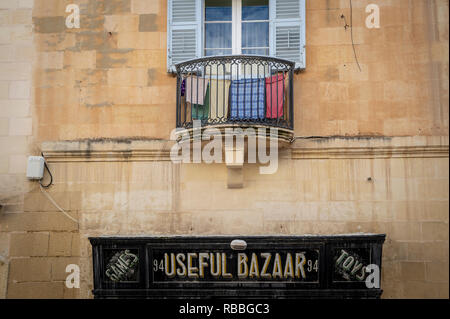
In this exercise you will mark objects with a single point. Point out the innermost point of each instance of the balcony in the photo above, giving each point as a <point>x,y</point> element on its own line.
<point>236,91</point>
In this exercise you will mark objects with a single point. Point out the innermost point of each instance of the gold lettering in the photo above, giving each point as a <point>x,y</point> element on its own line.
<point>289,267</point>
<point>277,272</point>
<point>254,268</point>
<point>192,271</point>
<point>242,263</point>
<point>215,272</point>
<point>180,261</point>
<point>202,263</point>
<point>170,273</point>
<point>300,261</point>
<point>264,273</point>
<point>224,267</point>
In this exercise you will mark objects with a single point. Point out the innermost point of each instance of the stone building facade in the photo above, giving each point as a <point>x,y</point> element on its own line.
<point>371,153</point>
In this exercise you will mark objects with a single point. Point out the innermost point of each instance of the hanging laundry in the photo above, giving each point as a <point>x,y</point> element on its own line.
<point>201,111</point>
<point>247,99</point>
<point>275,96</point>
<point>196,89</point>
<point>219,92</point>
<point>183,87</point>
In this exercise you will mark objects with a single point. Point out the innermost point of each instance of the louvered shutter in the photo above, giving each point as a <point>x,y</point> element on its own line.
<point>288,30</point>
<point>184,31</point>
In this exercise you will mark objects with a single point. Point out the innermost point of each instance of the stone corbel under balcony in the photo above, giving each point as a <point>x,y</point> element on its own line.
<point>234,159</point>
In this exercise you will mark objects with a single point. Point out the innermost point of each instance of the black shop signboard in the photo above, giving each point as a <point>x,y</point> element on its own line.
<point>341,266</point>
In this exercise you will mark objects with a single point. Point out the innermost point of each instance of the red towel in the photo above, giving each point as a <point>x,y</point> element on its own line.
<point>274,95</point>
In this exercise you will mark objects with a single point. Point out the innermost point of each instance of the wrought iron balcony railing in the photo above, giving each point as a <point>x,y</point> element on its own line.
<point>239,90</point>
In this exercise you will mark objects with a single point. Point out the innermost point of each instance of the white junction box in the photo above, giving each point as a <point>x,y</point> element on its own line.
<point>35,168</point>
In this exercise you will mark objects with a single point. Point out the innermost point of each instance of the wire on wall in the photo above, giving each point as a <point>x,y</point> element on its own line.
<point>351,32</point>
<point>56,205</point>
<point>50,173</point>
<point>43,187</point>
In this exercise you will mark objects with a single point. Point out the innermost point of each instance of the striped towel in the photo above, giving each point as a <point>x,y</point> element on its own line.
<point>201,111</point>
<point>219,98</point>
<point>196,89</point>
<point>247,99</point>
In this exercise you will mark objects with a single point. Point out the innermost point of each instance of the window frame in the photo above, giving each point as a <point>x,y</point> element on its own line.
<point>236,28</point>
<point>197,24</point>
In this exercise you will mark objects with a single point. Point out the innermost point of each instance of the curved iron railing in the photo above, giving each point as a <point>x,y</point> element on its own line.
<point>238,89</point>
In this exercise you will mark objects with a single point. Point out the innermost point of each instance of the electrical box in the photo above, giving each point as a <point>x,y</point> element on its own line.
<point>35,168</point>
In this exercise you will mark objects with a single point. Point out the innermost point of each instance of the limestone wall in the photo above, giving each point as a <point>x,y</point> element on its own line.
<point>315,191</point>
<point>99,103</point>
<point>16,127</point>
<point>109,79</point>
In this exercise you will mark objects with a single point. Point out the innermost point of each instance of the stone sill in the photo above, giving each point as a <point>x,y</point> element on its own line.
<point>111,150</point>
<point>370,147</point>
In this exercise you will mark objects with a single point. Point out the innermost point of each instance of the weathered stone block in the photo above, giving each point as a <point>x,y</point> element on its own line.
<point>59,265</point>
<point>17,71</point>
<point>93,40</point>
<point>140,40</point>
<point>4,129</point>
<point>50,24</point>
<point>19,90</point>
<point>80,60</point>
<point>30,269</point>
<point>122,23</point>
<point>148,23</point>
<point>60,244</point>
<point>128,77</point>
<point>145,7</point>
<point>413,271</point>
<point>50,60</point>
<point>36,290</point>
<point>437,272</point>
<point>54,41</point>
<point>75,247</point>
<point>21,126</point>
<point>29,244</point>
<point>435,231</point>
<point>41,221</point>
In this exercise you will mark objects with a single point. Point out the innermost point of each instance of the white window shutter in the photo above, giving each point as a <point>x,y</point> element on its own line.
<point>288,30</point>
<point>183,31</point>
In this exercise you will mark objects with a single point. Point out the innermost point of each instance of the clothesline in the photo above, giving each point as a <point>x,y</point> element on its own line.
<point>232,78</point>
<point>251,98</point>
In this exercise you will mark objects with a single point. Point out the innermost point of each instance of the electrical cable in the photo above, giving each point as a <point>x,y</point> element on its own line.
<point>56,205</point>
<point>351,32</point>
<point>41,187</point>
<point>50,173</point>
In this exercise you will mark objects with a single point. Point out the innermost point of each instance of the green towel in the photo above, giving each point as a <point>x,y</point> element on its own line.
<point>201,111</point>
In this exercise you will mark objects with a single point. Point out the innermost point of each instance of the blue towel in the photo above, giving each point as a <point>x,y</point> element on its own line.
<point>247,99</point>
